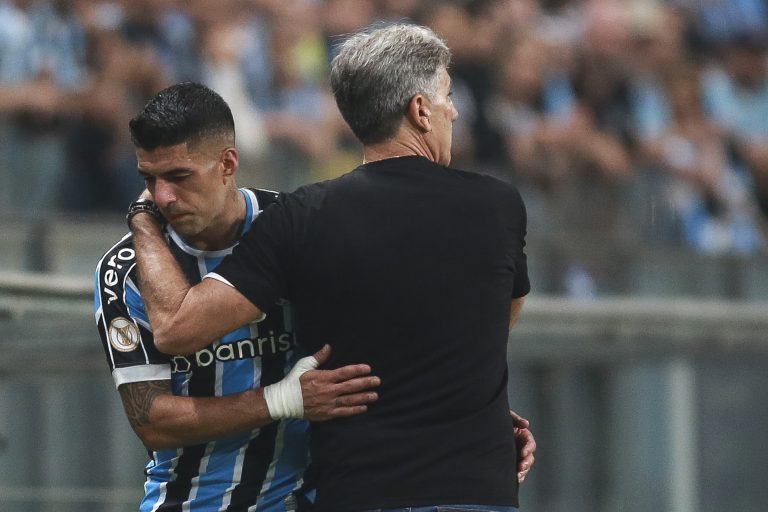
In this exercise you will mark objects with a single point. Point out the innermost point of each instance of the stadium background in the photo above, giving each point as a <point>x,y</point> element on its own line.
<point>635,130</point>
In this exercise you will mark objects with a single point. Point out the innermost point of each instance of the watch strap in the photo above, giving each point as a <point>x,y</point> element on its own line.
<point>144,206</point>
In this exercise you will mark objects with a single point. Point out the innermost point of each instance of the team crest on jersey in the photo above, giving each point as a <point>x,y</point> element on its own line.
<point>123,334</point>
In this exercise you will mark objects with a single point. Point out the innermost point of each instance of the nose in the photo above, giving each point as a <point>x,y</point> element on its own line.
<point>455,114</point>
<point>164,193</point>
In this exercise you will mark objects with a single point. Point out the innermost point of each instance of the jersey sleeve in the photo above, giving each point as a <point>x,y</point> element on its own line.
<point>122,321</point>
<point>260,265</point>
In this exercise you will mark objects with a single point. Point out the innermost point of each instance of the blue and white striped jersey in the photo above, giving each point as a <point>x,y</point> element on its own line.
<point>252,471</point>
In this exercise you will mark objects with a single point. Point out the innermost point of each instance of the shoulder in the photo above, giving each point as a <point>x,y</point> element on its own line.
<point>265,197</point>
<point>117,263</point>
<point>114,276</point>
<point>311,195</point>
<point>486,181</point>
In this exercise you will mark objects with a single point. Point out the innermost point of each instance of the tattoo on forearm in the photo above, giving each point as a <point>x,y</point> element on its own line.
<point>138,397</point>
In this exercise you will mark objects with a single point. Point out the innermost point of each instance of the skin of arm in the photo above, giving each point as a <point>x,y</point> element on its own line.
<point>184,318</point>
<point>163,420</point>
<point>526,444</point>
<point>517,306</point>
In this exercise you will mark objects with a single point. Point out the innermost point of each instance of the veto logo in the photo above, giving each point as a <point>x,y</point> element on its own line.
<point>123,334</point>
<point>111,277</point>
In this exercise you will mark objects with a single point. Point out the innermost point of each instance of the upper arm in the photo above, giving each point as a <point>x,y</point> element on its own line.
<point>264,266</point>
<point>122,321</point>
<point>209,310</point>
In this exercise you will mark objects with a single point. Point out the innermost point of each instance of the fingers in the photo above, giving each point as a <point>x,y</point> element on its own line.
<point>356,385</point>
<point>525,442</point>
<point>350,405</point>
<point>526,447</point>
<point>524,469</point>
<point>347,372</point>
<point>356,399</point>
<point>524,466</point>
<point>519,421</point>
<point>324,400</point>
<point>323,354</point>
<point>343,412</point>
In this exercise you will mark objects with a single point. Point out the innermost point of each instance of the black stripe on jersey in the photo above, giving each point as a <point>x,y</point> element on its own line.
<point>201,383</point>
<point>177,491</point>
<point>187,262</point>
<point>260,451</point>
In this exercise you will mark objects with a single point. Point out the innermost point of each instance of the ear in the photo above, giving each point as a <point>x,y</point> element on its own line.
<point>418,113</point>
<point>230,159</point>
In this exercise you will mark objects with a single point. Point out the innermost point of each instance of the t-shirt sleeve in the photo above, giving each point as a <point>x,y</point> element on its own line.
<point>259,266</point>
<point>519,216</point>
<point>122,322</point>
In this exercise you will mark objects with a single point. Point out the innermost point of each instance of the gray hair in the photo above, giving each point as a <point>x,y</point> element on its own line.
<point>377,72</point>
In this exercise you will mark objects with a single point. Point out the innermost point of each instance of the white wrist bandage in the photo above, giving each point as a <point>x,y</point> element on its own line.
<point>284,398</point>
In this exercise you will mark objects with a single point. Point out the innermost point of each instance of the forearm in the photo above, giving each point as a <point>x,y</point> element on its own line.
<point>184,318</point>
<point>514,314</point>
<point>165,421</point>
<point>163,285</point>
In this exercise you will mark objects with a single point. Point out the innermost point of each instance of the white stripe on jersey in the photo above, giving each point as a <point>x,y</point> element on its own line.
<point>141,373</point>
<point>202,268</point>
<point>237,473</point>
<point>254,201</point>
<point>269,477</point>
<point>276,454</point>
<point>217,277</point>
<point>219,389</point>
<point>126,283</point>
<point>202,469</point>
<point>164,485</point>
<point>100,311</point>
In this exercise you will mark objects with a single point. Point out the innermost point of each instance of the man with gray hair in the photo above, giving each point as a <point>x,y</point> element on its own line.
<point>405,263</point>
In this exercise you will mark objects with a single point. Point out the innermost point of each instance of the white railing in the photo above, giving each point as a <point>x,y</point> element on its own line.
<point>552,332</point>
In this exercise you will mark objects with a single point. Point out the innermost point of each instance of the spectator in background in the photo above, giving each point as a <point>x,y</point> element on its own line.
<point>224,49</point>
<point>736,95</point>
<point>709,197</point>
<point>301,105</point>
<point>71,71</point>
<point>341,17</point>
<point>474,33</point>
<point>716,21</point>
<point>121,74</point>
<point>42,61</point>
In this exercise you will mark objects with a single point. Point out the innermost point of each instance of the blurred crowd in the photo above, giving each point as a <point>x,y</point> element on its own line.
<point>641,120</point>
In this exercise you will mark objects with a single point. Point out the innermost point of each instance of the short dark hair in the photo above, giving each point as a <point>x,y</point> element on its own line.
<point>186,112</point>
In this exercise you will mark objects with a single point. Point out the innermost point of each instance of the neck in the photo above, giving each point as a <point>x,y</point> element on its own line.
<point>403,144</point>
<point>226,228</point>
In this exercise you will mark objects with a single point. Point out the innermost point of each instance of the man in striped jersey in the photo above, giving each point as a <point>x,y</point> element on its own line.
<point>208,418</point>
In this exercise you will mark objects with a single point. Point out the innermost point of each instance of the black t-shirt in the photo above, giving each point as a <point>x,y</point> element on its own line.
<point>410,267</point>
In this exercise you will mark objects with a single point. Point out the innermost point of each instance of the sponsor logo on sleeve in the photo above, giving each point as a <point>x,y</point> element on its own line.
<point>123,334</point>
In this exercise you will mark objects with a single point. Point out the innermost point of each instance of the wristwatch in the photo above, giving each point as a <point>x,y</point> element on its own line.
<point>144,206</point>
